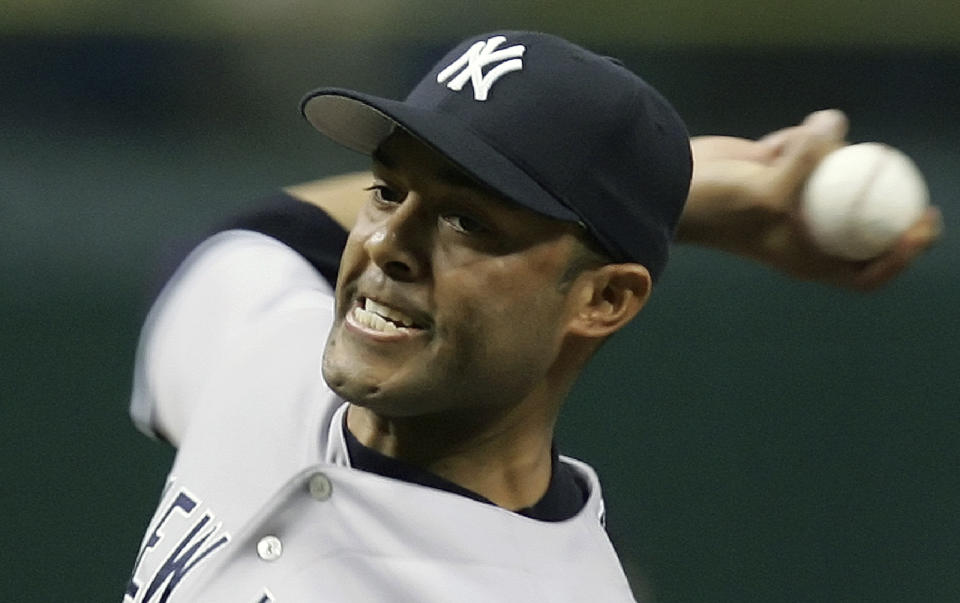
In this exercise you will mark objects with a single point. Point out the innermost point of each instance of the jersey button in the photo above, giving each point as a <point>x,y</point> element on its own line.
<point>269,548</point>
<point>320,487</point>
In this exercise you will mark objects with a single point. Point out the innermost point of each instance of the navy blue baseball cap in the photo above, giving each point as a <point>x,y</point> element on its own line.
<point>549,125</point>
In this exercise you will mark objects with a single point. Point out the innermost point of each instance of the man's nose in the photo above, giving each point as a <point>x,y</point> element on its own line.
<point>399,243</point>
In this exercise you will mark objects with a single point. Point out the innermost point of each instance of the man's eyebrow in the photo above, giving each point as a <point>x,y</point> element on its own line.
<point>448,175</point>
<point>380,157</point>
<point>454,177</point>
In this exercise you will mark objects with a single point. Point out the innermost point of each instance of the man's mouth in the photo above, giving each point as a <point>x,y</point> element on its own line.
<point>379,317</point>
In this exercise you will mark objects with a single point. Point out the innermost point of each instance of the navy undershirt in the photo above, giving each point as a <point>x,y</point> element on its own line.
<point>565,495</point>
<point>309,231</point>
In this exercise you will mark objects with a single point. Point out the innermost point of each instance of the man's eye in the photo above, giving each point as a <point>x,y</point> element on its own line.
<point>464,224</point>
<point>382,193</point>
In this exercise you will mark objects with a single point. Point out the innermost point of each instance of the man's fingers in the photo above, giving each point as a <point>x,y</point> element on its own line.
<point>799,150</point>
<point>780,185</point>
<point>831,124</point>
<point>707,148</point>
<point>911,245</point>
<point>927,230</point>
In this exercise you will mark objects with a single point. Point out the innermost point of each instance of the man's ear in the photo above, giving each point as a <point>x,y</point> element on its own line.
<point>608,297</point>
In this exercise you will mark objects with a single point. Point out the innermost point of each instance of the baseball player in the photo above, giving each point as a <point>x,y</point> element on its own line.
<point>520,206</point>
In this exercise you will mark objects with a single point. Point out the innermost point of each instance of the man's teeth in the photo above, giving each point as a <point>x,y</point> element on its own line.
<point>375,316</point>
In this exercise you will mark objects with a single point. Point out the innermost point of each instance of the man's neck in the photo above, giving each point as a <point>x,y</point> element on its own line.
<point>505,456</point>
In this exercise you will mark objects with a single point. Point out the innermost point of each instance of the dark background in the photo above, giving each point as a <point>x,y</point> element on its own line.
<point>760,439</point>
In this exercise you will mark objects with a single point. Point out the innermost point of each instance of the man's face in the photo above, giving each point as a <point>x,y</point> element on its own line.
<point>448,298</point>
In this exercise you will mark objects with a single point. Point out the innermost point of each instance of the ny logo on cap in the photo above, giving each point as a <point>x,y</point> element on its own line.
<point>471,64</point>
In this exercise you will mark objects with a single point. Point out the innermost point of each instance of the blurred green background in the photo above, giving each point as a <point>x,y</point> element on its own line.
<point>759,439</point>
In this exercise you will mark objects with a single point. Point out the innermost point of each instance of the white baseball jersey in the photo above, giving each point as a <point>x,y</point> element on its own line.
<point>262,503</point>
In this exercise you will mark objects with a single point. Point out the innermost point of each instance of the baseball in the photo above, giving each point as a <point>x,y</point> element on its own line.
<point>861,198</point>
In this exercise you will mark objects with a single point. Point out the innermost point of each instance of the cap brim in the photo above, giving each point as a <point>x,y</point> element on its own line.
<point>361,122</point>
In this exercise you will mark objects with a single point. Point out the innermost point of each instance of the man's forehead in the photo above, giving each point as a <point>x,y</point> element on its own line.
<point>404,152</point>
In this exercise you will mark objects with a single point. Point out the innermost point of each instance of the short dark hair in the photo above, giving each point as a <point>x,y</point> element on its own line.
<point>587,254</point>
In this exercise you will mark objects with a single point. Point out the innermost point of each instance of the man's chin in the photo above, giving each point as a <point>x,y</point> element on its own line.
<point>342,375</point>
<point>370,382</point>
<point>356,387</point>
<point>346,385</point>
<point>383,399</point>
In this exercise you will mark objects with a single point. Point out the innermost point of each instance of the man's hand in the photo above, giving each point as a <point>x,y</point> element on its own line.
<point>745,198</point>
